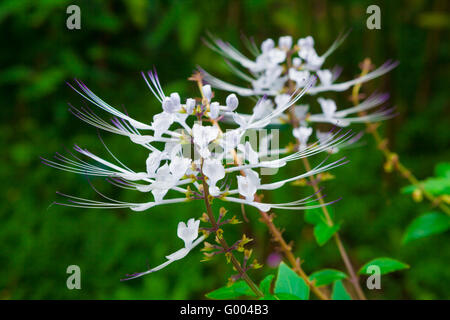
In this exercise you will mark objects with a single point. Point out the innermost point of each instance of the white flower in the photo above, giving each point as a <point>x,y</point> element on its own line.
<point>161,123</point>
<point>263,108</point>
<point>281,99</point>
<point>188,233</point>
<point>178,166</point>
<point>248,185</point>
<point>203,136</point>
<point>302,134</point>
<point>230,140</point>
<point>301,111</point>
<point>328,107</point>
<point>313,61</point>
<point>300,77</point>
<point>325,77</point>
<point>267,45</point>
<point>153,161</point>
<point>232,102</point>
<point>163,182</point>
<point>171,104</point>
<point>306,43</point>
<point>248,152</point>
<point>214,170</point>
<point>285,42</point>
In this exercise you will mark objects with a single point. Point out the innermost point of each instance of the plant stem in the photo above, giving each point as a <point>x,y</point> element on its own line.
<point>287,251</point>
<point>225,245</point>
<point>388,154</point>
<point>348,265</point>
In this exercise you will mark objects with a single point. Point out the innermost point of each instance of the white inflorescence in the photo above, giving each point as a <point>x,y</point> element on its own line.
<point>275,68</point>
<point>174,176</point>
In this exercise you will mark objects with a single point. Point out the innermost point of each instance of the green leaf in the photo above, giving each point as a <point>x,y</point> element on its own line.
<point>435,186</point>
<point>289,282</point>
<point>280,296</point>
<point>386,265</point>
<point>265,284</point>
<point>324,232</point>
<point>287,296</point>
<point>426,225</point>
<point>237,289</point>
<point>316,215</point>
<point>327,276</point>
<point>339,292</point>
<point>442,170</point>
<point>269,297</point>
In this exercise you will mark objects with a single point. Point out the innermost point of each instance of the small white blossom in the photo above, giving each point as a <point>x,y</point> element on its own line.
<point>214,170</point>
<point>285,42</point>
<point>302,134</point>
<point>325,76</point>
<point>328,107</point>
<point>203,135</point>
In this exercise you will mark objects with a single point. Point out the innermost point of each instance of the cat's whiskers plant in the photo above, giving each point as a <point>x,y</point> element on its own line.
<point>171,167</point>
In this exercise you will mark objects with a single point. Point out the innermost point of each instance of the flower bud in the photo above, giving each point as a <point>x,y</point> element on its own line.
<point>207,92</point>
<point>232,102</point>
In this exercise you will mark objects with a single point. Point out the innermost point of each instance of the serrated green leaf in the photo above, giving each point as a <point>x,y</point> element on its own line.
<point>265,284</point>
<point>426,225</point>
<point>327,276</point>
<point>289,282</point>
<point>339,292</point>
<point>324,232</point>
<point>236,290</point>
<point>385,264</point>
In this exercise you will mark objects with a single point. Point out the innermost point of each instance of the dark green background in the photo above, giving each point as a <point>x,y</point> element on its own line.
<point>120,38</point>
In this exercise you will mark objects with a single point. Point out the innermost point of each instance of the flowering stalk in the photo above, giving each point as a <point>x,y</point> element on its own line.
<point>393,161</point>
<point>224,244</point>
<point>267,218</point>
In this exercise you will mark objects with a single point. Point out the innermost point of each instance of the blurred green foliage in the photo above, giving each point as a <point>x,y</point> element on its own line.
<point>120,38</point>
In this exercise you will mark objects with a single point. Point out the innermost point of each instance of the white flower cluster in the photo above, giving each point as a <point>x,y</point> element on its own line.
<point>168,168</point>
<point>287,65</point>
